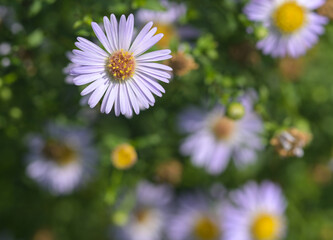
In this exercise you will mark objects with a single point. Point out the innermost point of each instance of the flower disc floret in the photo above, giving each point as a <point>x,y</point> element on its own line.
<point>289,17</point>
<point>121,65</point>
<point>265,226</point>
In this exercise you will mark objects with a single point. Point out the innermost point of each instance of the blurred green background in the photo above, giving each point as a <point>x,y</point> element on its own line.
<point>33,92</point>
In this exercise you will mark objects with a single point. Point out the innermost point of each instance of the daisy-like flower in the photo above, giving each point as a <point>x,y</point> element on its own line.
<point>164,20</point>
<point>293,25</point>
<point>147,219</point>
<point>62,159</point>
<point>122,74</point>
<point>215,138</point>
<point>257,213</point>
<point>197,217</point>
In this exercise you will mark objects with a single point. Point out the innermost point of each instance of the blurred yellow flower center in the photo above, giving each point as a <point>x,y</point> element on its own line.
<point>223,128</point>
<point>206,229</point>
<point>169,33</point>
<point>265,227</point>
<point>124,156</point>
<point>121,65</point>
<point>59,152</point>
<point>289,17</point>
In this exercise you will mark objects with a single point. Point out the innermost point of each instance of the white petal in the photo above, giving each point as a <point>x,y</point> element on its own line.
<point>101,36</point>
<point>144,47</point>
<point>129,32</point>
<point>109,33</point>
<point>141,35</point>
<point>96,96</point>
<point>156,65</point>
<point>114,31</point>
<point>132,98</point>
<point>111,98</point>
<point>91,87</point>
<point>122,31</point>
<point>86,78</point>
<point>89,46</point>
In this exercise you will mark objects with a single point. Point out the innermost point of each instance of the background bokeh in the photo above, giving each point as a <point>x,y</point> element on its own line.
<point>35,36</point>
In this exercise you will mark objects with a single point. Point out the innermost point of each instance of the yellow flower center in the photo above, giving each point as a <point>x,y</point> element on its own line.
<point>169,33</point>
<point>124,156</point>
<point>121,65</point>
<point>206,229</point>
<point>289,17</point>
<point>265,227</point>
<point>223,128</point>
<point>59,152</point>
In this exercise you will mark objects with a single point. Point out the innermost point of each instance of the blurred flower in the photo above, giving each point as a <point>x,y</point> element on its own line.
<point>122,74</point>
<point>293,25</point>
<point>197,217</point>
<point>67,70</point>
<point>148,218</point>
<point>43,234</point>
<point>61,160</point>
<point>327,9</point>
<point>164,20</point>
<point>291,68</point>
<point>215,138</point>
<point>169,172</point>
<point>8,18</point>
<point>124,156</point>
<point>257,213</point>
<point>291,142</point>
<point>322,173</point>
<point>182,63</point>
<point>5,48</point>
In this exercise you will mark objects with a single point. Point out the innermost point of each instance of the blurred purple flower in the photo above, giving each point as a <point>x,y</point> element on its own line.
<point>62,159</point>
<point>148,218</point>
<point>172,13</point>
<point>257,213</point>
<point>292,24</point>
<point>215,138</point>
<point>196,217</point>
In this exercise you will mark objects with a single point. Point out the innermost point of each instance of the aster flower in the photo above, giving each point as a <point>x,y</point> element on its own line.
<point>196,217</point>
<point>215,138</point>
<point>257,213</point>
<point>62,159</point>
<point>164,20</point>
<point>293,25</point>
<point>121,74</point>
<point>148,217</point>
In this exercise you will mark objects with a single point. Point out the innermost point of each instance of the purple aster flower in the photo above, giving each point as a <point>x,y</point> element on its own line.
<point>197,217</point>
<point>215,138</point>
<point>148,218</point>
<point>123,74</point>
<point>62,159</point>
<point>173,12</point>
<point>257,213</point>
<point>292,24</point>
